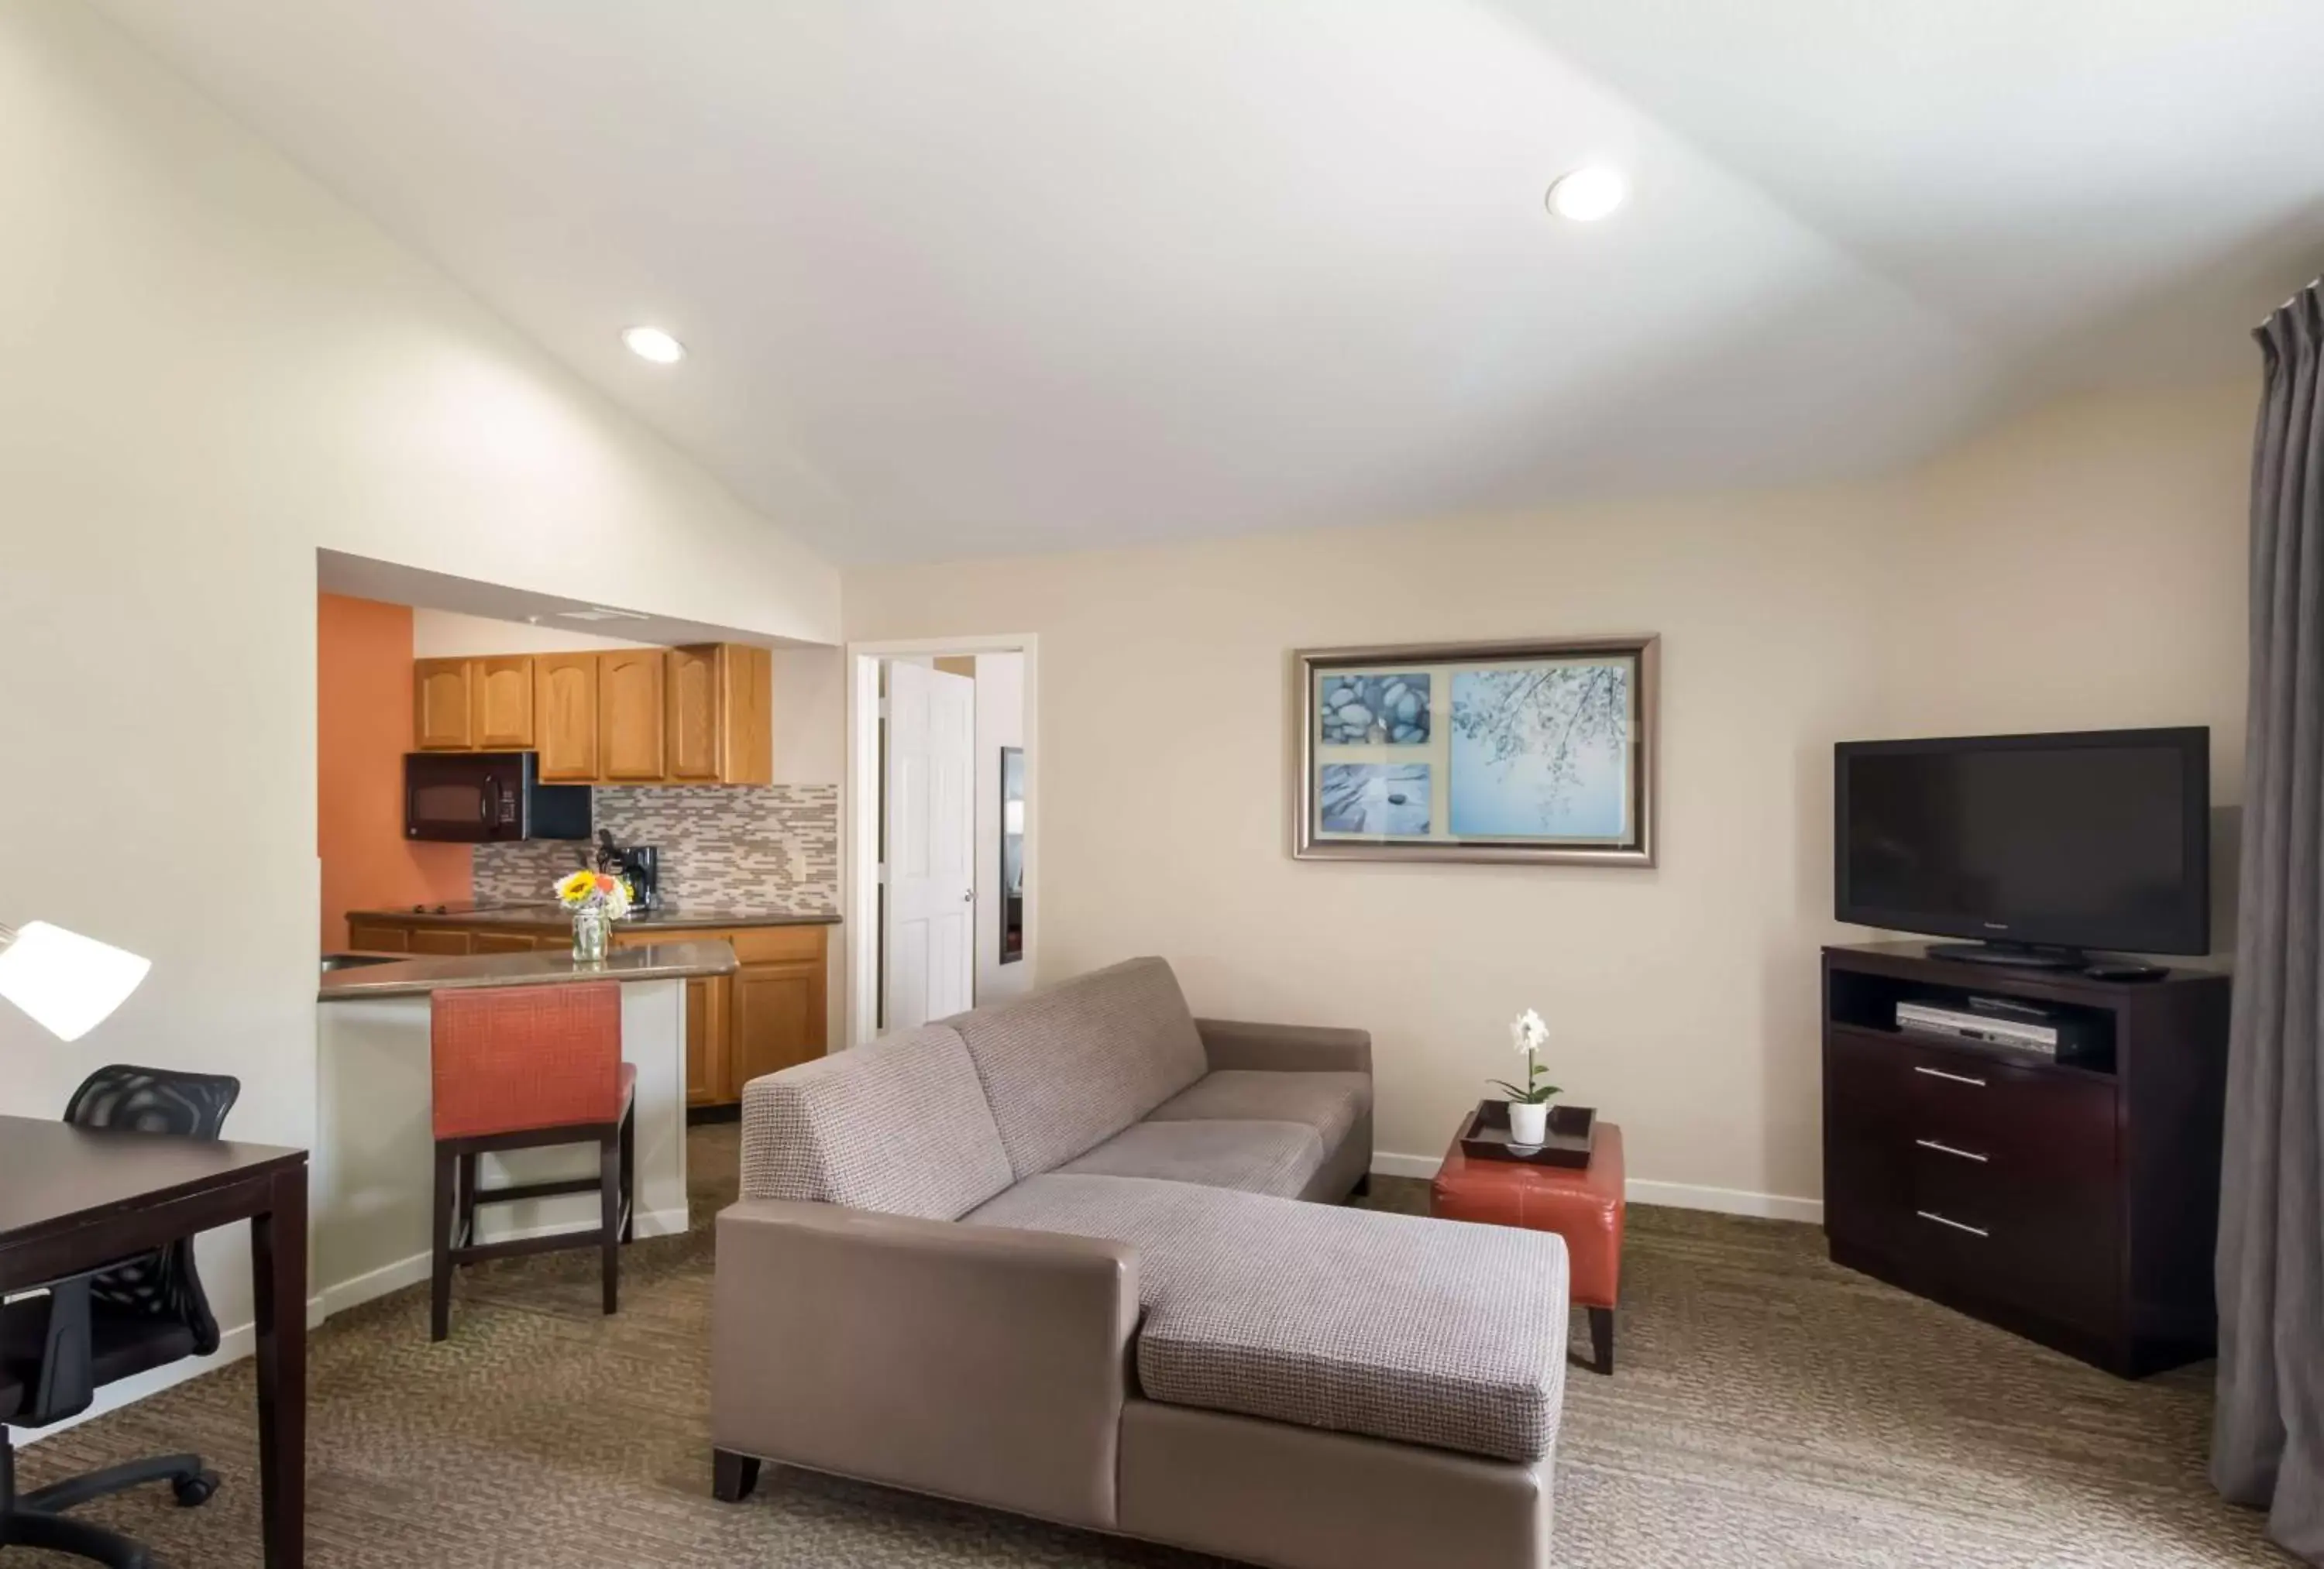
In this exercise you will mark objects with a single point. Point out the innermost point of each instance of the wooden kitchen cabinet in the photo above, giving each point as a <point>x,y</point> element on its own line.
<point>443,717</point>
<point>565,716</point>
<point>690,683</point>
<point>778,1019</point>
<point>696,715</point>
<point>746,711</point>
<point>499,690</point>
<point>369,938</point>
<point>439,940</point>
<point>629,716</point>
<point>709,1057</point>
<point>501,942</point>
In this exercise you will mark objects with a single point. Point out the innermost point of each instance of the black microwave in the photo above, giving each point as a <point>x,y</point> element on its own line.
<point>488,797</point>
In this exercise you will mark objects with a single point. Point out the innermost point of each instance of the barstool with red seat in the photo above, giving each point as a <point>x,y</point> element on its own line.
<point>521,1068</point>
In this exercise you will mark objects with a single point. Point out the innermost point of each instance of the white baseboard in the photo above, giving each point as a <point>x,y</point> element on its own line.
<point>241,1341</point>
<point>344,1294</point>
<point>1673,1194</point>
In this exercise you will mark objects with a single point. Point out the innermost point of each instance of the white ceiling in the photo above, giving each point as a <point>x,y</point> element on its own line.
<point>1006,275</point>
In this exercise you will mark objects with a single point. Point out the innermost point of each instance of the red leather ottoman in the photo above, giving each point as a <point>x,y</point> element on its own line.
<point>1585,1208</point>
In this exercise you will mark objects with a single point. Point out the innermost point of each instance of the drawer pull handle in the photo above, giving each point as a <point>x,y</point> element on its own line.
<point>1949,1078</point>
<point>1957,1226</point>
<point>1949,1150</point>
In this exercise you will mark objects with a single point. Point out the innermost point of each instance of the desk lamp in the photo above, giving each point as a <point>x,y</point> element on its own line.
<point>67,982</point>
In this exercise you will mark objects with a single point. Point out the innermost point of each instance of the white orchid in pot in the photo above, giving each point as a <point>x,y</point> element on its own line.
<point>1529,1104</point>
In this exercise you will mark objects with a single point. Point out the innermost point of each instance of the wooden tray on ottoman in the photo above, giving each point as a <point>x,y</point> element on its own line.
<point>1572,1131</point>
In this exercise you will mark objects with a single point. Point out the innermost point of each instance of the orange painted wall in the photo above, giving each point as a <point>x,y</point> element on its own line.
<point>363,688</point>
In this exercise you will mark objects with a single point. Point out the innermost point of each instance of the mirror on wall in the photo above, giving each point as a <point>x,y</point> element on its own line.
<point>1012,854</point>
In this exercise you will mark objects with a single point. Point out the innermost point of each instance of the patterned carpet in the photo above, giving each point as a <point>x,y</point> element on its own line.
<point>1769,1409</point>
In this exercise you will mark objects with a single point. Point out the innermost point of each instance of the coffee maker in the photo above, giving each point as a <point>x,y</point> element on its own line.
<point>638,864</point>
<point>641,865</point>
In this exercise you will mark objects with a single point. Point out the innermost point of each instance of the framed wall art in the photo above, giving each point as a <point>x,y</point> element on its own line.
<point>1520,751</point>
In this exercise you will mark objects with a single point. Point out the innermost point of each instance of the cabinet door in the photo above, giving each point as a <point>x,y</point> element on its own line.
<point>501,942</point>
<point>745,714</point>
<point>691,682</point>
<point>378,938</point>
<point>630,715</point>
<point>501,688</point>
<point>441,719</point>
<point>565,716</point>
<point>778,1018</point>
<point>709,1071</point>
<point>439,940</point>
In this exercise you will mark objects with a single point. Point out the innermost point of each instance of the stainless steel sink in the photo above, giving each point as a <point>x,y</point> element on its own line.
<point>332,962</point>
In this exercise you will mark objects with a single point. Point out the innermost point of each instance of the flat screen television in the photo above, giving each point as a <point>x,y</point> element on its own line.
<point>2035,846</point>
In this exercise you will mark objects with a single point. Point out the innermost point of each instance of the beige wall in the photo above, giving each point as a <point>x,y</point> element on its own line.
<point>2080,569</point>
<point>212,369</point>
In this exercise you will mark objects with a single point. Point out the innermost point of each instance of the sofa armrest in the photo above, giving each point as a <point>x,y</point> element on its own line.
<point>1285,1048</point>
<point>974,1362</point>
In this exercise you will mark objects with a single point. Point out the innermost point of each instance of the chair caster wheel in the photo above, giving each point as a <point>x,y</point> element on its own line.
<point>193,1491</point>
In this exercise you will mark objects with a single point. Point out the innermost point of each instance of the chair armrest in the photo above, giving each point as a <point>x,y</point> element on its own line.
<point>67,1381</point>
<point>974,1362</point>
<point>1285,1048</point>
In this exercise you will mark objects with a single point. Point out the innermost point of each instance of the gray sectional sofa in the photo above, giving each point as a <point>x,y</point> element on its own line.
<point>1080,1256</point>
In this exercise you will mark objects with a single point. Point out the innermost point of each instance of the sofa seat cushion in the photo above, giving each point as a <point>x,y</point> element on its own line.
<point>1329,1103</point>
<point>1253,1156</point>
<point>1068,1068</point>
<point>1391,1326</point>
<point>899,1124</point>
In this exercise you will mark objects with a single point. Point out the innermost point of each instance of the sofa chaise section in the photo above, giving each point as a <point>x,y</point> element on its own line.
<point>1051,1257</point>
<point>1386,1326</point>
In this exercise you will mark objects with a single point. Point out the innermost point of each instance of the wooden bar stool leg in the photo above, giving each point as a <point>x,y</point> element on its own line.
<point>630,1174</point>
<point>466,1234</point>
<point>609,1190</point>
<point>439,1306</point>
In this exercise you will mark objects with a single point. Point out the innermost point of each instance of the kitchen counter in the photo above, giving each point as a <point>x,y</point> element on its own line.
<point>550,916</point>
<point>408,976</point>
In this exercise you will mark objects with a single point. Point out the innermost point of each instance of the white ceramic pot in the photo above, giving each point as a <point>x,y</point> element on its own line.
<point>1528,1122</point>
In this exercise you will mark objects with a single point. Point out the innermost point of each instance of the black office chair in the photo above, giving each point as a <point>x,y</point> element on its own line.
<point>95,1329</point>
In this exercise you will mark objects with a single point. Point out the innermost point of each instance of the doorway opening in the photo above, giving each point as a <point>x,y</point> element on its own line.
<point>943,835</point>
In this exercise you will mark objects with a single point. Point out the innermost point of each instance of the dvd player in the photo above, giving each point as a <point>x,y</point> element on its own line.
<point>1993,1022</point>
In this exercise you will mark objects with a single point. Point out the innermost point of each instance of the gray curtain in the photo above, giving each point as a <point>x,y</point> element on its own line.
<point>2267,1445</point>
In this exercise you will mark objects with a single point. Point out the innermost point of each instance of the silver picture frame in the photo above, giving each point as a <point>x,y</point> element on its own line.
<point>1404,810</point>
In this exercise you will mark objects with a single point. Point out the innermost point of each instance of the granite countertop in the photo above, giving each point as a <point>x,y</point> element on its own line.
<point>417,976</point>
<point>667,918</point>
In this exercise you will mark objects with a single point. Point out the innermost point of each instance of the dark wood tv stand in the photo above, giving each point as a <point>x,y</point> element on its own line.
<point>2075,1205</point>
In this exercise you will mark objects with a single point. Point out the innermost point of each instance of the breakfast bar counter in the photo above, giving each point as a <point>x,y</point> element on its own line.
<point>389,975</point>
<point>372,1174</point>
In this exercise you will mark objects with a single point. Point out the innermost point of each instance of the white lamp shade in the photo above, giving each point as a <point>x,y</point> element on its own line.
<point>67,982</point>
<point>1012,817</point>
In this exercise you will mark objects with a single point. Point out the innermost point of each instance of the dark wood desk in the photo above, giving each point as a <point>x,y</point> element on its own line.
<point>74,1199</point>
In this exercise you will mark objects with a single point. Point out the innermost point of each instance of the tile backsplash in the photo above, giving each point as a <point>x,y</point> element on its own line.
<point>755,846</point>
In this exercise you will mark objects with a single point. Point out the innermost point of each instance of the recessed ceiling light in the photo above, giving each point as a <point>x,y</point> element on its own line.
<point>1588,194</point>
<point>650,343</point>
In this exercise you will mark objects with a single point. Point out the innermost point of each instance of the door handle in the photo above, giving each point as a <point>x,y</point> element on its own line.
<point>1957,1226</point>
<point>968,895</point>
<point>1949,1150</point>
<point>1949,1078</point>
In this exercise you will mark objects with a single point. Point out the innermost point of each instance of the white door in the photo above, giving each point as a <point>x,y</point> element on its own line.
<point>930,919</point>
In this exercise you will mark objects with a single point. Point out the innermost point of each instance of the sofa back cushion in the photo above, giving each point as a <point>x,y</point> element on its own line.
<point>899,1125</point>
<point>1068,1068</point>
